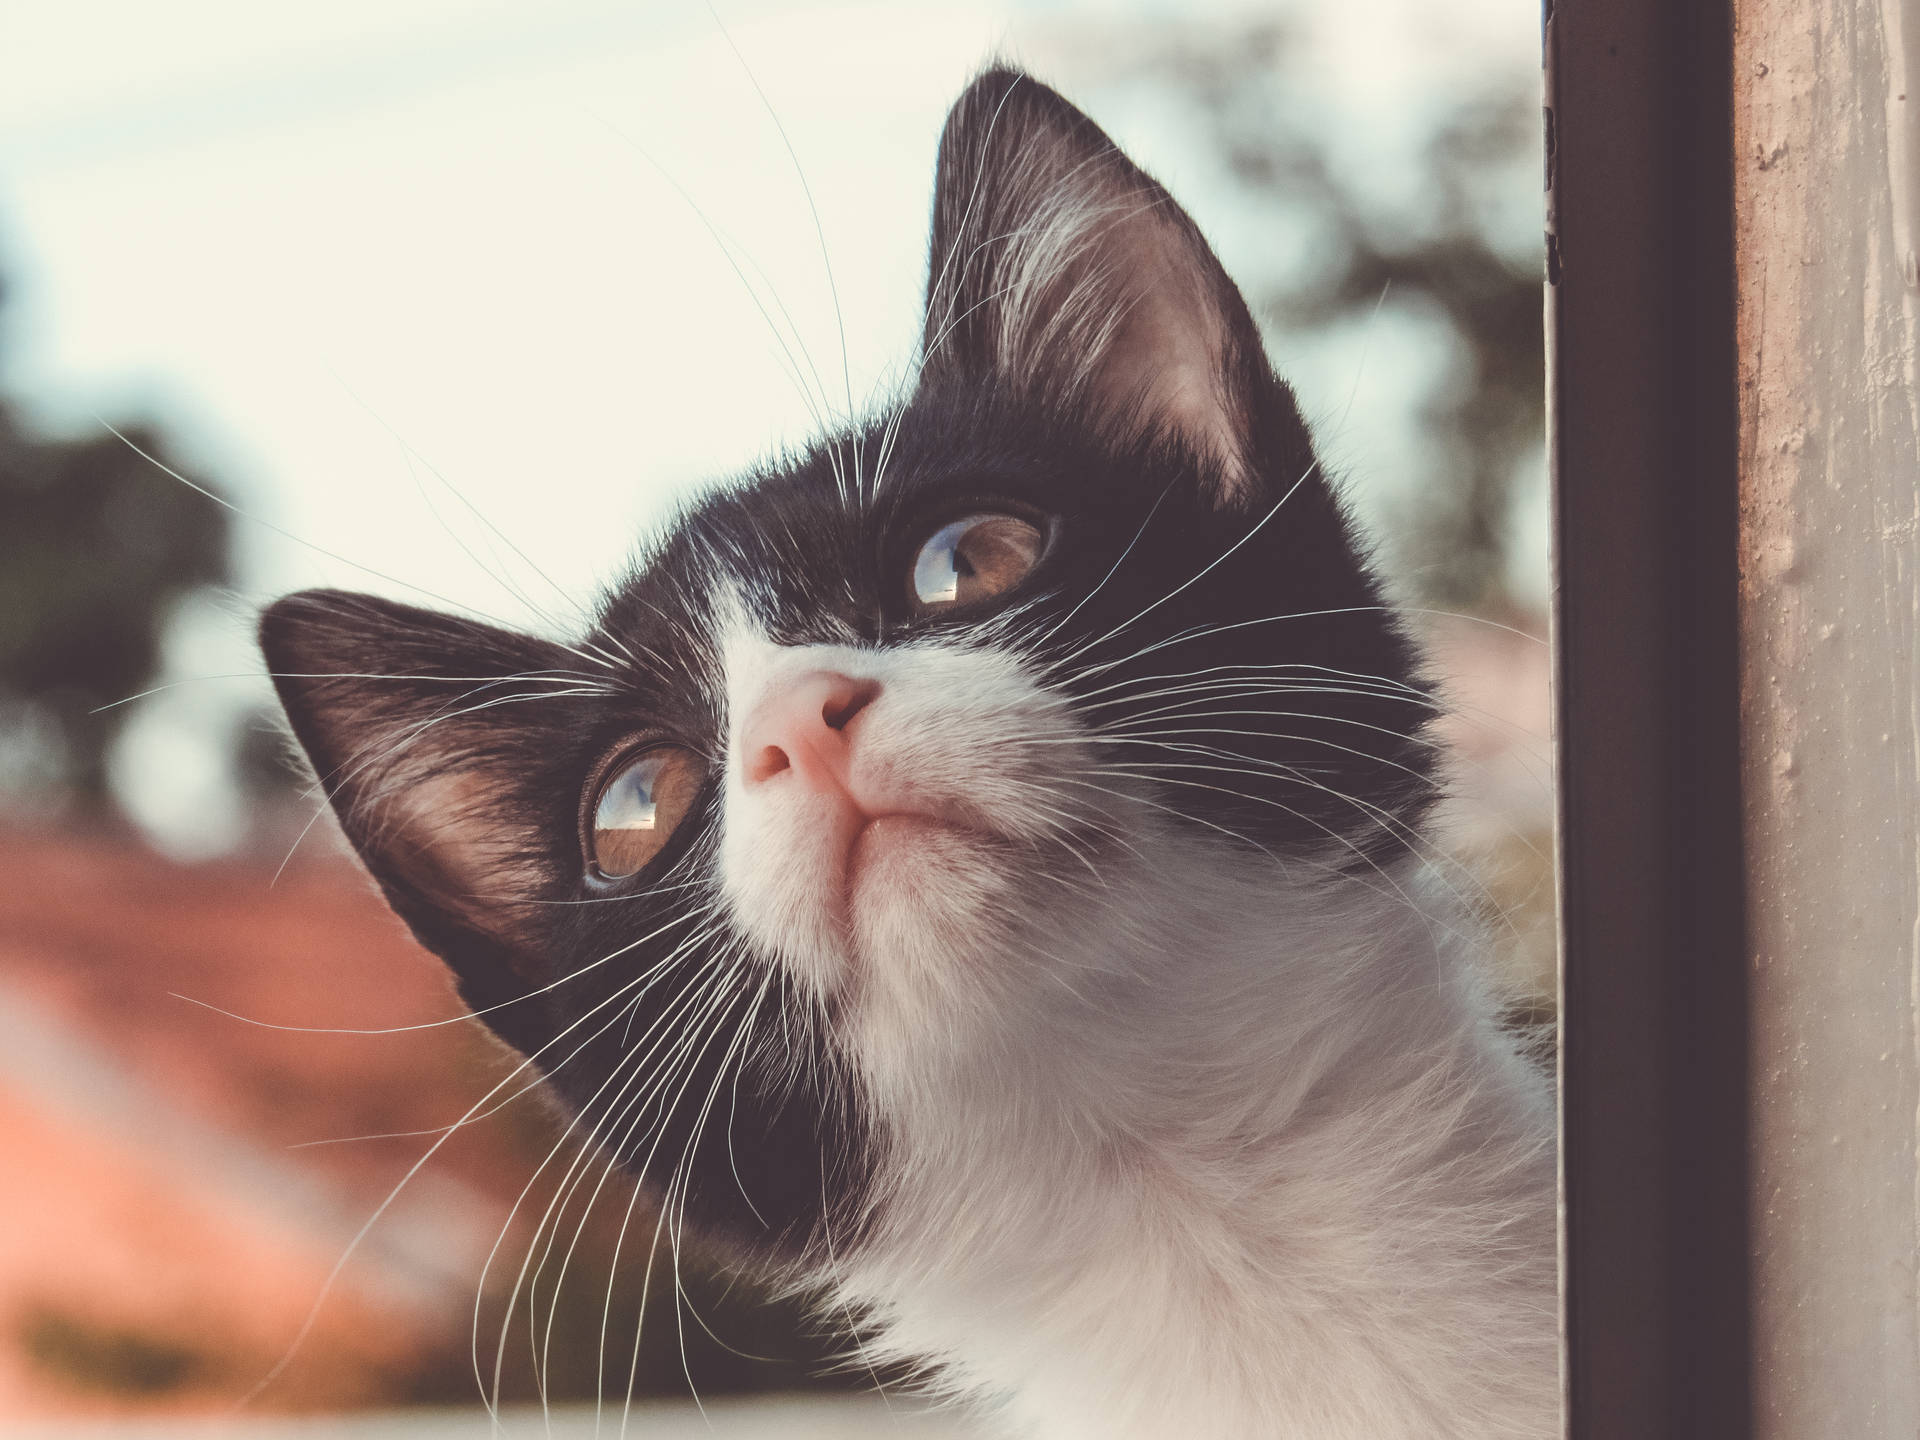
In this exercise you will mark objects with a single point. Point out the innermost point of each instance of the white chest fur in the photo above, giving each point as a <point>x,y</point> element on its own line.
<point>1276,1175</point>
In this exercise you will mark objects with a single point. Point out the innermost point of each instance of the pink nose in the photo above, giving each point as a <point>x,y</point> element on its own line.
<point>805,726</point>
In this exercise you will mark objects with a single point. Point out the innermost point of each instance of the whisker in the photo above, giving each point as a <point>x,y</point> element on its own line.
<point>817,405</point>
<point>1339,839</point>
<point>713,997</point>
<point>813,209</point>
<point>453,1019</point>
<point>631,1059</point>
<point>1393,824</point>
<point>1205,570</point>
<point>409,456</point>
<point>647,1280</point>
<point>333,1275</point>
<point>282,531</point>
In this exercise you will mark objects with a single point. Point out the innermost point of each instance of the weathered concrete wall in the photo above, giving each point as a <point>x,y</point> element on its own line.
<point>1830,403</point>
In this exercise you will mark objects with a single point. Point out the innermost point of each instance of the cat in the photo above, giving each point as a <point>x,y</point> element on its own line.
<point>980,868</point>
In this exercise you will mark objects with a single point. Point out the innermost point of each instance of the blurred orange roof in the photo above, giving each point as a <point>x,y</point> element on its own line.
<point>161,1243</point>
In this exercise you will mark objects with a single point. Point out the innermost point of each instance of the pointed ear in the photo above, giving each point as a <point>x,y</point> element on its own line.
<point>432,737</point>
<point>1061,270</point>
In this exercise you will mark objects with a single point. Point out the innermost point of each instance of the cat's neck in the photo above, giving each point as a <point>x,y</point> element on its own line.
<point>1297,1184</point>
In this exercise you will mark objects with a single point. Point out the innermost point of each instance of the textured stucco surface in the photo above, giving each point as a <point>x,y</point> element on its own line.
<point>1831,657</point>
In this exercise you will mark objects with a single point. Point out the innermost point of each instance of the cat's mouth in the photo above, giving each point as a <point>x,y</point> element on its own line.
<point>896,834</point>
<point>892,848</point>
<point>912,882</point>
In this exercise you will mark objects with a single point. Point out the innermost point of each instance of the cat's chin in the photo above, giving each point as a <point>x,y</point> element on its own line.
<point>890,849</point>
<point>910,873</point>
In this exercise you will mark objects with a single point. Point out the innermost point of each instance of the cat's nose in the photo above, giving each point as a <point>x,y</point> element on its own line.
<point>805,728</point>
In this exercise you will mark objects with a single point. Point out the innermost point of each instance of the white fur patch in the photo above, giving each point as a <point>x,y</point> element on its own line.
<point>1177,1141</point>
<point>1273,1175</point>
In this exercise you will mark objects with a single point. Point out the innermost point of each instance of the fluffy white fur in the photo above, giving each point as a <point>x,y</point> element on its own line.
<point>1180,1140</point>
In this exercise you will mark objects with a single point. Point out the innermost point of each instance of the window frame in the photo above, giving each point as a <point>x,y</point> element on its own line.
<point>1643,444</point>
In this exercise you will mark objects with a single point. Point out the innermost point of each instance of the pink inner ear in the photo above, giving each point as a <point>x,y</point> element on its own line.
<point>1101,291</point>
<point>1166,360</point>
<point>446,836</point>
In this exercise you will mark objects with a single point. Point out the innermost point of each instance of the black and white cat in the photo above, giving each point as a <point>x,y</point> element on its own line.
<point>981,865</point>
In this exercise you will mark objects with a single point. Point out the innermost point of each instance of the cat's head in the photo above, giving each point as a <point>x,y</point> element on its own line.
<point>881,764</point>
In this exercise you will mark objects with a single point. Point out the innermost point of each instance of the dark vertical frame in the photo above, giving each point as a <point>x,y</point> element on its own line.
<point>1643,440</point>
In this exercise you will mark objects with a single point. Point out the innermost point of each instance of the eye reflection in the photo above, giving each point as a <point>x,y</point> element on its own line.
<point>640,807</point>
<point>974,558</point>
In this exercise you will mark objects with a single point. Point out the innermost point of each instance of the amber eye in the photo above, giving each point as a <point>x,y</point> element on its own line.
<point>640,806</point>
<point>975,559</point>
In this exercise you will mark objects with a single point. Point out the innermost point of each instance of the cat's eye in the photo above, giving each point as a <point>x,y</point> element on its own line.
<point>975,558</point>
<point>640,806</point>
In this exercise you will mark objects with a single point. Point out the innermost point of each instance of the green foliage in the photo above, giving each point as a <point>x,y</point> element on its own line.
<point>1459,248</point>
<point>90,1356</point>
<point>96,548</point>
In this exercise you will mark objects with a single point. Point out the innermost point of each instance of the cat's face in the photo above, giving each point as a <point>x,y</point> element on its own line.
<point>881,763</point>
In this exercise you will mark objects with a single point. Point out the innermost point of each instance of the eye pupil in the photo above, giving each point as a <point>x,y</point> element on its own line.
<point>975,558</point>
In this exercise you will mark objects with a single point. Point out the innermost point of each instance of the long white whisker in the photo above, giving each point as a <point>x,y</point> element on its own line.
<point>340,1265</point>
<point>712,993</point>
<point>550,986</point>
<point>813,209</point>
<point>647,1282</point>
<point>631,1057</point>
<point>283,532</point>
<point>817,405</point>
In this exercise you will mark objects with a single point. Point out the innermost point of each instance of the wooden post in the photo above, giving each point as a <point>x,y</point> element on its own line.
<point>1830,665</point>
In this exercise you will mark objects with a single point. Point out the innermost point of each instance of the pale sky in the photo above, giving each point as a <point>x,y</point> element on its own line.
<point>381,266</point>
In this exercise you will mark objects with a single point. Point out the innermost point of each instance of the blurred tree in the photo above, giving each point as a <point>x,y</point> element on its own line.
<point>1459,247</point>
<point>96,549</point>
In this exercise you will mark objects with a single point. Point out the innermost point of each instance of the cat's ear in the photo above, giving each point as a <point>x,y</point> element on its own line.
<point>1062,271</point>
<point>431,736</point>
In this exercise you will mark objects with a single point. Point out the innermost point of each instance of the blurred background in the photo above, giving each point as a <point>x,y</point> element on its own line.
<point>452,301</point>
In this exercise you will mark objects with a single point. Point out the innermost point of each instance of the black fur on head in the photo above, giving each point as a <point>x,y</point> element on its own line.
<point>1200,603</point>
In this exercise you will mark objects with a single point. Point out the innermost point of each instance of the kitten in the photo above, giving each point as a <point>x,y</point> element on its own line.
<point>979,866</point>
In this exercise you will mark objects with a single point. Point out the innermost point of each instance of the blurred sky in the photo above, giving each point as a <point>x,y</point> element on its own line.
<point>381,268</point>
